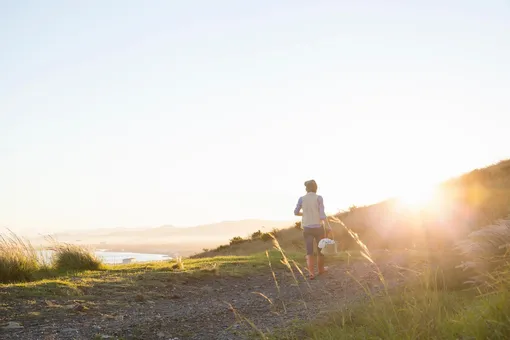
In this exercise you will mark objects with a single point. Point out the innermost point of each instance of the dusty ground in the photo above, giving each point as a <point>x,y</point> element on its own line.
<point>157,306</point>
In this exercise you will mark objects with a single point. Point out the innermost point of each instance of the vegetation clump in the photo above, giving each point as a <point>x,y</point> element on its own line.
<point>74,257</point>
<point>237,240</point>
<point>256,235</point>
<point>18,259</point>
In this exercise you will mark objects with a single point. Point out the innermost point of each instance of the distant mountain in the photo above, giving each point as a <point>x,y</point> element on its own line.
<point>221,232</point>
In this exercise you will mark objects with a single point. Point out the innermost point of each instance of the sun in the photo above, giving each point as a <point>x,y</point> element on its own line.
<point>418,197</point>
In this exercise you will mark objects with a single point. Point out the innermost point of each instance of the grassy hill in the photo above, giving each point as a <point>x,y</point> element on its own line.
<point>464,204</point>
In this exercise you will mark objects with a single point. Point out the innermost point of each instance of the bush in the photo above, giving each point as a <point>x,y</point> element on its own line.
<point>237,240</point>
<point>297,225</point>
<point>223,246</point>
<point>18,259</point>
<point>266,237</point>
<point>256,235</point>
<point>74,257</point>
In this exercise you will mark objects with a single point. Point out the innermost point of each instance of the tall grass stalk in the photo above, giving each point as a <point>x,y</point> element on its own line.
<point>179,262</point>
<point>275,280</point>
<point>285,261</point>
<point>242,319</point>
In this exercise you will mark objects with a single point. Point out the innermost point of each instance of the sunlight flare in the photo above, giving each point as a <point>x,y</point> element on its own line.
<point>419,197</point>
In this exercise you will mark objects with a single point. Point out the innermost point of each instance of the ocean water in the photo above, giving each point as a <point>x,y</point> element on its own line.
<point>112,257</point>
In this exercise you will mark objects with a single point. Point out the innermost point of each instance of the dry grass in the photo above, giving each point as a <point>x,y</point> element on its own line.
<point>18,259</point>
<point>179,263</point>
<point>21,262</point>
<point>74,257</point>
<point>485,250</point>
<point>421,310</point>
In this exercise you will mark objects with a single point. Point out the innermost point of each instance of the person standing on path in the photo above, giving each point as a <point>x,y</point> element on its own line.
<point>311,208</point>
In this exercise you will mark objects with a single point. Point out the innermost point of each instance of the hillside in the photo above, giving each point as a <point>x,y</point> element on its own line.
<point>461,205</point>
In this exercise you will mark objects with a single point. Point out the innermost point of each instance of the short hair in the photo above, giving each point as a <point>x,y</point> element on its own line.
<point>311,186</point>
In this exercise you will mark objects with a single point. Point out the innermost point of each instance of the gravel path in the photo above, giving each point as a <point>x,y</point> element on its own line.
<point>207,308</point>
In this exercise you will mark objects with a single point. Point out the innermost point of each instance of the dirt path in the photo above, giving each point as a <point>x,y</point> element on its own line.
<point>207,308</point>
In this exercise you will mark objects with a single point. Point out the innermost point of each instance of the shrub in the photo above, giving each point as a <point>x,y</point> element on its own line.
<point>237,240</point>
<point>223,246</point>
<point>74,257</point>
<point>297,225</point>
<point>266,237</point>
<point>256,235</point>
<point>18,259</point>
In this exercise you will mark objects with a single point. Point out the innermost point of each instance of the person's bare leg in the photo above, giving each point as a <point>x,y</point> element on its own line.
<point>310,261</point>
<point>322,270</point>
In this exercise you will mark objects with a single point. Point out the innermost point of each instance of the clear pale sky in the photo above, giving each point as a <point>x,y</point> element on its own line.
<point>143,113</point>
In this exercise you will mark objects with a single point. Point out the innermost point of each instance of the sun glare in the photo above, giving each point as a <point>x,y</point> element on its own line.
<point>418,197</point>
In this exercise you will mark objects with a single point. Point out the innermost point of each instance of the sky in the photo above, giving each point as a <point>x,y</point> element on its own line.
<point>144,113</point>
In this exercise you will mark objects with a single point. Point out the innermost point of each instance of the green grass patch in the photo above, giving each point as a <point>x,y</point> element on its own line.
<point>112,280</point>
<point>221,265</point>
<point>43,288</point>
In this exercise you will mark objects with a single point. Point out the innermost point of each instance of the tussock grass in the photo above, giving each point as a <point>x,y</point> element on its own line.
<point>18,259</point>
<point>21,262</point>
<point>486,250</point>
<point>74,257</point>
